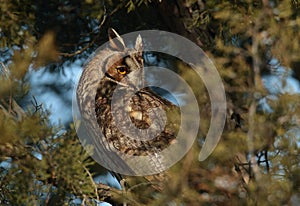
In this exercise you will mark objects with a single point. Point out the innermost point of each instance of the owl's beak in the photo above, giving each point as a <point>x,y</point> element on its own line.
<point>136,79</point>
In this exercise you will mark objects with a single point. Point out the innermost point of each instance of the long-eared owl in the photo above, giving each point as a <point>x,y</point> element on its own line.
<point>133,119</point>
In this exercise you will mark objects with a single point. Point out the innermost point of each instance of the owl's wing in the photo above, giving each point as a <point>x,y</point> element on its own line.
<point>99,148</point>
<point>147,107</point>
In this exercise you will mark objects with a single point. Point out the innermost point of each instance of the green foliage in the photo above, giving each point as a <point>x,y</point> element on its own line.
<point>261,33</point>
<point>131,4</point>
<point>47,165</point>
<point>16,23</point>
<point>44,164</point>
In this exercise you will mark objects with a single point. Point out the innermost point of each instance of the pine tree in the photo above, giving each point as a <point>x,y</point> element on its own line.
<point>255,163</point>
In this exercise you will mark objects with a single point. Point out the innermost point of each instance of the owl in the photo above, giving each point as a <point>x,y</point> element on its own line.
<point>134,121</point>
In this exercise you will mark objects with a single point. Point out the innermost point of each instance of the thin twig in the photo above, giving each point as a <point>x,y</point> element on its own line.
<point>89,44</point>
<point>4,71</point>
<point>93,182</point>
<point>140,185</point>
<point>36,105</point>
<point>258,87</point>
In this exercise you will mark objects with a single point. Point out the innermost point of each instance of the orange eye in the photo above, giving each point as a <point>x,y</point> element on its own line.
<point>122,70</point>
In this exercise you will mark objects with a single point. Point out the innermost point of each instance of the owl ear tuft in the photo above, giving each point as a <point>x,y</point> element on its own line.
<point>139,44</point>
<point>115,40</point>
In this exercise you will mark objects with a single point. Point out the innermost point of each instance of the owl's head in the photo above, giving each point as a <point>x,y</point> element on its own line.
<point>124,61</point>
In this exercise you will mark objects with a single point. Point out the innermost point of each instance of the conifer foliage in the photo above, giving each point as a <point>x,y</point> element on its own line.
<point>255,47</point>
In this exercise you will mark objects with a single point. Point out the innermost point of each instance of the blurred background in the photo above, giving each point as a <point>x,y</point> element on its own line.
<point>255,48</point>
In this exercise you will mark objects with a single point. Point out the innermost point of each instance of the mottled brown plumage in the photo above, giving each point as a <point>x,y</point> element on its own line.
<point>138,110</point>
<point>122,69</point>
<point>142,102</point>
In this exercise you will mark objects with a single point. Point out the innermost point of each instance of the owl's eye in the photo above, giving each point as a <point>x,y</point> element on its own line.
<point>122,70</point>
